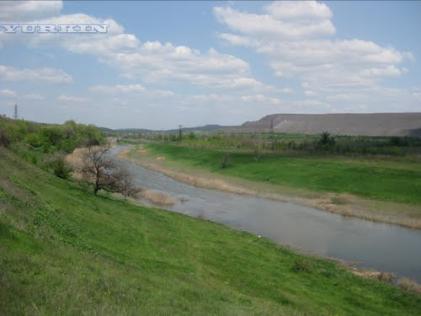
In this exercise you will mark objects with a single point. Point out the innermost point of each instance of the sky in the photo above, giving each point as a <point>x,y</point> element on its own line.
<point>162,64</point>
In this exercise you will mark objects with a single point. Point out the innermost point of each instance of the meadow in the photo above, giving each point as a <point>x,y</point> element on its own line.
<point>386,178</point>
<point>67,251</point>
<point>64,250</point>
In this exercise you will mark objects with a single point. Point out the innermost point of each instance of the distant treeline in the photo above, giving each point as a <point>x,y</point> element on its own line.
<point>279,142</point>
<point>359,145</point>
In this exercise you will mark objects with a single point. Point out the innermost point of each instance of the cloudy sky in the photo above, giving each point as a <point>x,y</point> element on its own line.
<point>192,63</point>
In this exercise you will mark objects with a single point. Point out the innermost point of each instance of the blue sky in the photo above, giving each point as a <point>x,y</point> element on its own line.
<point>168,63</point>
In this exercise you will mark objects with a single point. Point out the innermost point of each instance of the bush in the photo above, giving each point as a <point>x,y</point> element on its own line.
<point>34,140</point>
<point>399,141</point>
<point>409,285</point>
<point>191,136</point>
<point>302,265</point>
<point>59,166</point>
<point>326,140</point>
<point>226,161</point>
<point>48,138</point>
<point>4,139</point>
<point>385,277</point>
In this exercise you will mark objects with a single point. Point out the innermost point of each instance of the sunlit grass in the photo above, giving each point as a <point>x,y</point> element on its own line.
<point>381,179</point>
<point>65,251</point>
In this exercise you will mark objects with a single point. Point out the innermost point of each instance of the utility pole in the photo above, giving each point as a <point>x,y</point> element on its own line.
<point>15,116</point>
<point>180,132</point>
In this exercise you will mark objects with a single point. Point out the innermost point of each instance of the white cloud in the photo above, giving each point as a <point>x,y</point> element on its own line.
<point>236,39</point>
<point>136,88</point>
<point>150,61</point>
<point>7,93</point>
<point>283,20</point>
<point>285,90</point>
<point>293,36</point>
<point>297,39</point>
<point>51,75</point>
<point>28,10</point>
<point>304,10</point>
<point>130,90</point>
<point>158,62</point>
<point>71,99</point>
<point>13,94</point>
<point>206,98</point>
<point>33,96</point>
<point>114,40</point>
<point>260,98</point>
<point>416,93</point>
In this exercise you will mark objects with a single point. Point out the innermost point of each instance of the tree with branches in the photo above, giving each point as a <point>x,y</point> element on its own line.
<point>99,169</point>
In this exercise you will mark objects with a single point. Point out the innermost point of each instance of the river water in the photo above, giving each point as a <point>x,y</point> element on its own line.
<point>377,246</point>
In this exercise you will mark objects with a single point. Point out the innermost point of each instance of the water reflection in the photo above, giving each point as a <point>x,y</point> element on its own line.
<point>379,246</point>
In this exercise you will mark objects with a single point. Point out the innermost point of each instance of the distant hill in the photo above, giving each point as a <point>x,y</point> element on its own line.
<point>370,124</point>
<point>364,124</point>
<point>205,128</point>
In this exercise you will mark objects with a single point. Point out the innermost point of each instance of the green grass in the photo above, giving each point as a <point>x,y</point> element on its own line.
<point>65,251</point>
<point>382,179</point>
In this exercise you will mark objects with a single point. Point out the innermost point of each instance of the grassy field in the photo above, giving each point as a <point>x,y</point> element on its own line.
<point>279,143</point>
<point>65,251</point>
<point>396,180</point>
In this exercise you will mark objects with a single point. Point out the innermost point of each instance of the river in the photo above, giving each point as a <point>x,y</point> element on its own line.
<point>382,247</point>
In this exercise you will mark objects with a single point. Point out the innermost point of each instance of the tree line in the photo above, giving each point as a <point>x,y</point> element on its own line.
<point>47,146</point>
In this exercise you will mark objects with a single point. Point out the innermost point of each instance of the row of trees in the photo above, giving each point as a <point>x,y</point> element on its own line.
<point>48,145</point>
<point>49,138</point>
<point>277,143</point>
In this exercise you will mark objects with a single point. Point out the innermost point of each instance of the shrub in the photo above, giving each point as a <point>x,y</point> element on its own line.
<point>326,140</point>
<point>226,161</point>
<point>59,166</point>
<point>302,265</point>
<point>192,136</point>
<point>398,141</point>
<point>49,138</point>
<point>34,140</point>
<point>4,139</point>
<point>34,160</point>
<point>386,277</point>
<point>409,285</point>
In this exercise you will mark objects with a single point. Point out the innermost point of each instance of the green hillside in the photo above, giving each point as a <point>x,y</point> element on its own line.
<point>65,251</point>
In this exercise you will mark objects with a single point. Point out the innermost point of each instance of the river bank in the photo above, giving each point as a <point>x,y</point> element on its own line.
<point>61,244</point>
<point>344,204</point>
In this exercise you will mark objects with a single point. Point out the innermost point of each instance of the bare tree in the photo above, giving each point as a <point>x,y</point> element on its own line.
<point>99,169</point>
<point>123,183</point>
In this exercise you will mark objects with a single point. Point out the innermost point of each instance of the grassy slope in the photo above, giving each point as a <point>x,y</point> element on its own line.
<point>397,181</point>
<point>63,250</point>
